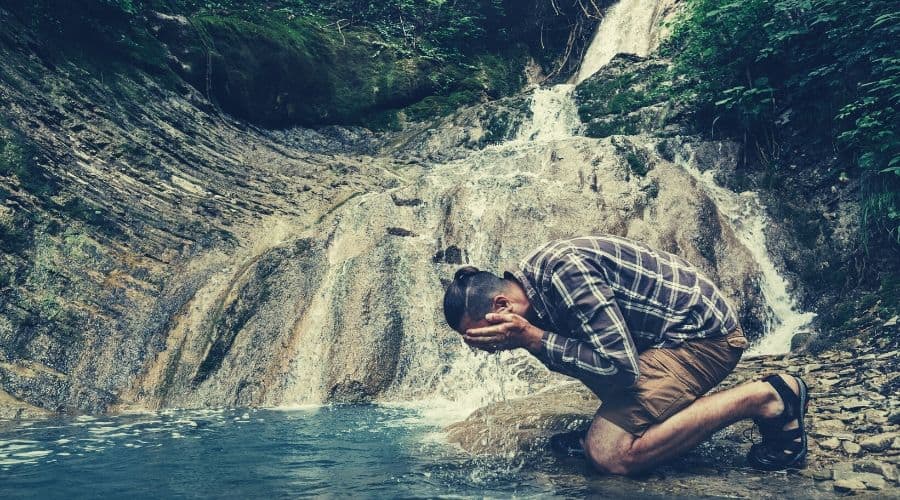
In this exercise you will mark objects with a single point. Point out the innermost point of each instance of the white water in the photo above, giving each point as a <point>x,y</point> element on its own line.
<point>746,215</point>
<point>629,27</point>
<point>444,377</point>
<point>554,115</point>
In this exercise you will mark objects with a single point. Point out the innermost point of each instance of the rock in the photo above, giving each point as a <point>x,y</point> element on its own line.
<point>800,340</point>
<point>870,480</point>
<point>879,442</point>
<point>894,417</point>
<point>876,483</point>
<point>892,322</point>
<point>842,435</point>
<point>855,404</point>
<point>822,475</point>
<point>834,424</point>
<point>526,423</point>
<point>846,485</point>
<point>851,448</point>
<point>830,443</point>
<point>887,471</point>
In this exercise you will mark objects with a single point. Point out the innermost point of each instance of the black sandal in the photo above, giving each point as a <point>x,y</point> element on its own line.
<point>780,449</point>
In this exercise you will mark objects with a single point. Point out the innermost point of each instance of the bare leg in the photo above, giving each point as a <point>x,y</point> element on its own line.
<point>612,449</point>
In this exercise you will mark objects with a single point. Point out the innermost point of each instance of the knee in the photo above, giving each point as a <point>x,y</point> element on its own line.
<point>610,460</point>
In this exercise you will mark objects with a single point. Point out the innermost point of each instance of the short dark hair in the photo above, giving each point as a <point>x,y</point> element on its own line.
<point>471,292</point>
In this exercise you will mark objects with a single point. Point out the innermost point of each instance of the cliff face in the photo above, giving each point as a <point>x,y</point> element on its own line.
<point>168,255</point>
<point>127,200</point>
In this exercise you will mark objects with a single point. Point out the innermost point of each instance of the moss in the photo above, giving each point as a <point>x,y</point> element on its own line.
<point>604,103</point>
<point>18,159</point>
<point>600,129</point>
<point>637,166</point>
<point>889,294</point>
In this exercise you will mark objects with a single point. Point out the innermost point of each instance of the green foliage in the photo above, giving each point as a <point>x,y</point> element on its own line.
<point>834,63</point>
<point>607,104</point>
<point>104,34</point>
<point>625,93</point>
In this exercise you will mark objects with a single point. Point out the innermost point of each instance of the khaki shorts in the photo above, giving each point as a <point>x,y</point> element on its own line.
<point>671,379</point>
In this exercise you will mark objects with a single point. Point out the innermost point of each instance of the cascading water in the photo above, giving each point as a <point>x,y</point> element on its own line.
<point>553,114</point>
<point>746,215</point>
<point>630,27</point>
<point>494,182</point>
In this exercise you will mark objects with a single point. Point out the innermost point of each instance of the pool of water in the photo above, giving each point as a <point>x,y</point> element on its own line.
<point>371,451</point>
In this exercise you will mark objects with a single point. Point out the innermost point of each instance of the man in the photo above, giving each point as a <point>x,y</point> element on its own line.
<point>645,331</point>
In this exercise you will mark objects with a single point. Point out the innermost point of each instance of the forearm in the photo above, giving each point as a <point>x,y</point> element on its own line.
<point>581,360</point>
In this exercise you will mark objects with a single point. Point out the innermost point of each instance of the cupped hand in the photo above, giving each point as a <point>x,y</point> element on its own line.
<point>506,331</point>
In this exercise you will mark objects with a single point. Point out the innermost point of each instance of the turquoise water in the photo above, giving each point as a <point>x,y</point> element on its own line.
<point>368,451</point>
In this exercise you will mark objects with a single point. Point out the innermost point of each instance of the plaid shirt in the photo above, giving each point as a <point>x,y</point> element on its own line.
<point>608,298</point>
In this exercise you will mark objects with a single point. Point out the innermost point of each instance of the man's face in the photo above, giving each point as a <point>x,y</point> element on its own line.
<point>501,303</point>
<point>468,324</point>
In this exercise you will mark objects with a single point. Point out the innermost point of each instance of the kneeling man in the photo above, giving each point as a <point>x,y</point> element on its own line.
<point>645,331</point>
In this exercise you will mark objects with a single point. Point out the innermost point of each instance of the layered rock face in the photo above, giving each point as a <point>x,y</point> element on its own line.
<point>133,206</point>
<point>186,259</point>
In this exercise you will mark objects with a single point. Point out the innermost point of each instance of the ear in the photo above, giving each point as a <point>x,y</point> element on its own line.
<point>501,303</point>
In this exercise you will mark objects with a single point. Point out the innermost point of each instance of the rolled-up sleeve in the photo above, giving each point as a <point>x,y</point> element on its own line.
<point>597,349</point>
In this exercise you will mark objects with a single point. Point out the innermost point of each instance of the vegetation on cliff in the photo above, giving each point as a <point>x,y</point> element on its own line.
<point>810,89</point>
<point>826,69</point>
<point>298,62</point>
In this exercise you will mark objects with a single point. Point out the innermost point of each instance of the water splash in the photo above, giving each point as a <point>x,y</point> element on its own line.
<point>746,215</point>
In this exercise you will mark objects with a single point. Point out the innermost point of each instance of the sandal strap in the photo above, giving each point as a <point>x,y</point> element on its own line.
<point>788,397</point>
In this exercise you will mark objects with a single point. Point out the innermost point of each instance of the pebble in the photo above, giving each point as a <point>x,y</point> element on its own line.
<point>878,442</point>
<point>832,424</point>
<point>851,448</point>
<point>822,475</point>
<point>843,435</point>
<point>855,404</point>
<point>886,470</point>
<point>830,443</point>
<point>845,485</point>
<point>894,418</point>
<point>870,480</point>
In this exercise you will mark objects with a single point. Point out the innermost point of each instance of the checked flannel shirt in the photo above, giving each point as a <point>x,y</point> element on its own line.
<point>608,298</point>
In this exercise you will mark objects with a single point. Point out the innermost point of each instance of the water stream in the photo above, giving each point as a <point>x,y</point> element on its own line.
<point>747,217</point>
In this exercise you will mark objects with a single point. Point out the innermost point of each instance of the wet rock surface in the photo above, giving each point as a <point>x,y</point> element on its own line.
<point>854,436</point>
<point>210,263</point>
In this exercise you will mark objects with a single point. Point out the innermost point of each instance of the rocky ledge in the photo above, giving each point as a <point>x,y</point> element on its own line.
<point>853,423</point>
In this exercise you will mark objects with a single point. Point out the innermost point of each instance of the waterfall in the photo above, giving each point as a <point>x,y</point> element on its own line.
<point>746,215</point>
<point>352,310</point>
<point>629,26</point>
<point>632,26</point>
